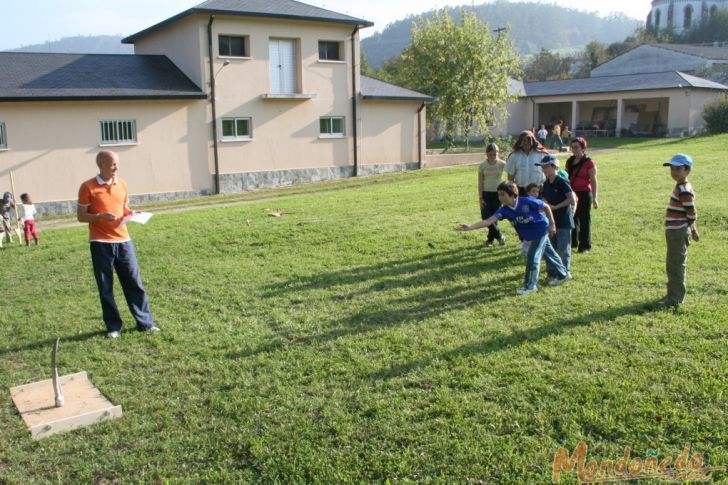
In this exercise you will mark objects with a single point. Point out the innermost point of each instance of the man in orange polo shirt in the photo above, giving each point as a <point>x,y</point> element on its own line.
<point>103,201</point>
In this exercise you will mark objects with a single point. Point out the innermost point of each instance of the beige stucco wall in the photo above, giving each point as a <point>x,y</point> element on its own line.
<point>285,131</point>
<point>52,146</point>
<point>388,132</point>
<point>519,115</point>
<point>184,43</point>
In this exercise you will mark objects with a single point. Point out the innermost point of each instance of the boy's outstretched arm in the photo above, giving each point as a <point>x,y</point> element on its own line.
<point>480,224</point>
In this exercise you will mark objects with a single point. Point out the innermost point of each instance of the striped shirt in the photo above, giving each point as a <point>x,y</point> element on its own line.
<point>681,210</point>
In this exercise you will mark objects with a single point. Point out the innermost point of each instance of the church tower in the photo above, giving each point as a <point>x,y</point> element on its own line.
<point>681,15</point>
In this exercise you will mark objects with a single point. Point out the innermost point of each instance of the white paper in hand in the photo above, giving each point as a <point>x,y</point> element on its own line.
<point>140,217</point>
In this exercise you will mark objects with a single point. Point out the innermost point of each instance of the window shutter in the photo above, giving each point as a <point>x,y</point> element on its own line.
<point>282,56</point>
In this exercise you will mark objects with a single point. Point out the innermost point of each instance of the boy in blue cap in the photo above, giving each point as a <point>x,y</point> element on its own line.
<point>679,228</point>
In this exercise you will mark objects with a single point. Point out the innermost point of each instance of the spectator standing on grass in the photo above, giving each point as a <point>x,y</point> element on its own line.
<point>557,193</point>
<point>680,226</point>
<point>534,222</point>
<point>542,134</point>
<point>103,202</point>
<point>556,136</point>
<point>520,166</point>
<point>5,206</point>
<point>583,179</point>
<point>565,133</point>
<point>490,175</point>
<point>27,214</point>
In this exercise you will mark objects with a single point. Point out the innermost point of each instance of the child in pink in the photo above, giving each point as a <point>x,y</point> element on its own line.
<point>27,213</point>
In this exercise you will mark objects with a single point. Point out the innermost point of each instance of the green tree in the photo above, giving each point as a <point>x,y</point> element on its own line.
<point>712,28</point>
<point>464,66</point>
<point>547,66</point>
<point>366,69</point>
<point>715,114</point>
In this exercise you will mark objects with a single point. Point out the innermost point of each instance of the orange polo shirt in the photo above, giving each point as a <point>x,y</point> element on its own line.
<point>105,197</point>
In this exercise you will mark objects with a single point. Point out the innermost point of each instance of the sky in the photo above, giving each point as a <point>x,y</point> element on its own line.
<point>39,21</point>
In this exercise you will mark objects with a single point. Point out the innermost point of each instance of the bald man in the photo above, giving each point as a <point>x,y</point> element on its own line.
<point>103,201</point>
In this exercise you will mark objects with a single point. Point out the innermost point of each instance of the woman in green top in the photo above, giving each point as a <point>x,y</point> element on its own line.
<point>490,174</point>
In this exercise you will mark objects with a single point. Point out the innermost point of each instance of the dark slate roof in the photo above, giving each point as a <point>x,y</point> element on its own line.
<point>285,9</point>
<point>26,76</point>
<point>710,52</point>
<point>612,84</point>
<point>375,89</point>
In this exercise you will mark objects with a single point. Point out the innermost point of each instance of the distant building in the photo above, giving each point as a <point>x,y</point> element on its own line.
<point>681,15</point>
<point>710,61</point>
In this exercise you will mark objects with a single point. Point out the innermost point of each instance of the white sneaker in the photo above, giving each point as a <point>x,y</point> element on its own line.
<point>525,291</point>
<point>113,334</point>
<point>561,281</point>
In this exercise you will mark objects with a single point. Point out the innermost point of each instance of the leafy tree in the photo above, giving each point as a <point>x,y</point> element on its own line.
<point>547,66</point>
<point>712,28</point>
<point>595,53</point>
<point>366,69</point>
<point>464,66</point>
<point>640,36</point>
<point>715,114</point>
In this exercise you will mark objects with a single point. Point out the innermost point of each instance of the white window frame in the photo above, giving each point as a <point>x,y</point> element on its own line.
<point>341,57</point>
<point>246,46</point>
<point>117,132</point>
<point>330,133</point>
<point>3,137</point>
<point>236,136</point>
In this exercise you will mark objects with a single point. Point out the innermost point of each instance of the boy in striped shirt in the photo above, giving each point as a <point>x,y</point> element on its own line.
<point>679,227</point>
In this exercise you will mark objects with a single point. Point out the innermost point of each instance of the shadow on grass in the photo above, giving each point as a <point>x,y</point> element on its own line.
<point>48,343</point>
<point>499,343</point>
<point>413,290</point>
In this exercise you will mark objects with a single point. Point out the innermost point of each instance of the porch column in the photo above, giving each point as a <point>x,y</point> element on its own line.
<point>536,116</point>
<point>620,113</point>
<point>574,116</point>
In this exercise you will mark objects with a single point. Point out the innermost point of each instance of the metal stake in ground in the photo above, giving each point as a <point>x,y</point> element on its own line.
<point>56,383</point>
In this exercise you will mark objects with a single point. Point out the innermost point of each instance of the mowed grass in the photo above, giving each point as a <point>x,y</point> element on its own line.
<point>358,338</point>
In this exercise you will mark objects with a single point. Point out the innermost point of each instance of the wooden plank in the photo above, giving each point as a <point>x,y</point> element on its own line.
<point>85,405</point>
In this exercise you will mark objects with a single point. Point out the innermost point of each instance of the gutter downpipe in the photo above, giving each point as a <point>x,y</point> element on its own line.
<point>419,135</point>
<point>353,100</point>
<point>212,102</point>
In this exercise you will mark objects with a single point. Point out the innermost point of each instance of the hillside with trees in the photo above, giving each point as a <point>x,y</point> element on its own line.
<point>82,44</point>
<point>532,26</point>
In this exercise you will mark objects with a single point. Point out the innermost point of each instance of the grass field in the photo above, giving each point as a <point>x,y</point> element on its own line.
<point>358,338</point>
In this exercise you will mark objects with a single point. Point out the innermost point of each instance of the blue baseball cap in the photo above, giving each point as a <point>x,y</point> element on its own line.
<point>548,160</point>
<point>679,160</point>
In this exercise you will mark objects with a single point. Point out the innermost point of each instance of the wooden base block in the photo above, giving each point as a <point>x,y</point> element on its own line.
<point>84,405</point>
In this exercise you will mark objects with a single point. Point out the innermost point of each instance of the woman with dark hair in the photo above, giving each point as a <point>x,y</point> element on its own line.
<point>490,175</point>
<point>582,172</point>
<point>521,165</point>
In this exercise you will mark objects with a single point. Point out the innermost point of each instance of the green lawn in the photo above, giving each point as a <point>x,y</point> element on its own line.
<point>359,338</point>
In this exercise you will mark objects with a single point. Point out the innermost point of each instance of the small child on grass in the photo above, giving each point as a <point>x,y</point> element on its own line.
<point>27,214</point>
<point>680,226</point>
<point>534,222</point>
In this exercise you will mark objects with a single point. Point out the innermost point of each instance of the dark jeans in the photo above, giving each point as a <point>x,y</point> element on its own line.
<point>491,204</point>
<point>556,140</point>
<point>120,257</point>
<point>581,235</point>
